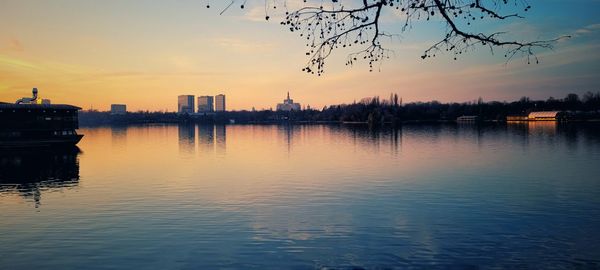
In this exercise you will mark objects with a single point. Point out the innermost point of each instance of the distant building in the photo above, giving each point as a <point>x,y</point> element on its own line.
<point>517,118</point>
<point>206,104</point>
<point>546,116</point>
<point>467,118</point>
<point>46,101</point>
<point>220,103</point>
<point>185,104</point>
<point>288,105</point>
<point>118,109</point>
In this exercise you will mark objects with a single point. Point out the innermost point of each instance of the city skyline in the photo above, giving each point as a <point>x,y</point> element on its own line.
<point>207,104</point>
<point>186,104</point>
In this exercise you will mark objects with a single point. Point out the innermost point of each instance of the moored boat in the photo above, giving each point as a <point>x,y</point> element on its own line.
<point>27,123</point>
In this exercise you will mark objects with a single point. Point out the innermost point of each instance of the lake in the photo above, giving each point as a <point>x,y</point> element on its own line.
<point>306,197</point>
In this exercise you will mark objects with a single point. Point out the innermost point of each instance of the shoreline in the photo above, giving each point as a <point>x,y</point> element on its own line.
<point>341,123</point>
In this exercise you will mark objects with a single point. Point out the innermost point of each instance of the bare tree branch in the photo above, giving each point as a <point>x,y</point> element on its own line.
<point>359,24</point>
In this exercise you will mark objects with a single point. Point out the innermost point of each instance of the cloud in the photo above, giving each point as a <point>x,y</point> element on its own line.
<point>10,62</point>
<point>243,46</point>
<point>549,59</point>
<point>257,10</point>
<point>14,45</point>
<point>140,74</point>
<point>587,30</point>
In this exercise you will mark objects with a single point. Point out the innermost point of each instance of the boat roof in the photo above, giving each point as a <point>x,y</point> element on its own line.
<point>544,114</point>
<point>8,106</point>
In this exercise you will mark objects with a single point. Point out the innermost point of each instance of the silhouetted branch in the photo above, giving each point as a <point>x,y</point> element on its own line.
<point>458,41</point>
<point>359,24</point>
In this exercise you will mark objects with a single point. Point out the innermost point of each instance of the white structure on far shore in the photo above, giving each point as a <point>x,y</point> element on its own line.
<point>118,109</point>
<point>288,105</point>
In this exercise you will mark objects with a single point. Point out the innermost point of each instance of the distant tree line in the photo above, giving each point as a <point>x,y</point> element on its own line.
<point>374,110</point>
<point>392,110</point>
<point>95,117</point>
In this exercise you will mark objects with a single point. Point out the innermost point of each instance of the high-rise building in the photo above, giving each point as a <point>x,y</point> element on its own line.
<point>205,104</point>
<point>288,105</point>
<point>185,104</point>
<point>220,103</point>
<point>117,109</point>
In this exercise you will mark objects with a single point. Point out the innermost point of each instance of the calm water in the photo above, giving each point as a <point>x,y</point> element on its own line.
<point>305,197</point>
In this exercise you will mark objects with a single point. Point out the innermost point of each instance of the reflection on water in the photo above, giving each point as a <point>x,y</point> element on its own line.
<point>208,137</point>
<point>187,138</point>
<point>286,134</point>
<point>552,133</point>
<point>535,128</point>
<point>119,136</point>
<point>221,138</point>
<point>30,173</point>
<point>311,196</point>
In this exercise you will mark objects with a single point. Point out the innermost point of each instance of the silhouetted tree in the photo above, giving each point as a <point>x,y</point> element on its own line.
<point>329,25</point>
<point>591,100</point>
<point>572,101</point>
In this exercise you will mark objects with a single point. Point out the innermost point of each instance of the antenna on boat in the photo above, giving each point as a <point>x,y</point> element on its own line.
<point>29,100</point>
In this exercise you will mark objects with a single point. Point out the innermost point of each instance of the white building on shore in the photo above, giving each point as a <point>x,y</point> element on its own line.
<point>118,109</point>
<point>288,105</point>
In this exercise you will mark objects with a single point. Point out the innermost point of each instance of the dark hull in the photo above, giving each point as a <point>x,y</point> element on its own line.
<point>57,141</point>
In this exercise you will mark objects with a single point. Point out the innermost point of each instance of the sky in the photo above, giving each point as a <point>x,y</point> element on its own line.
<point>146,53</point>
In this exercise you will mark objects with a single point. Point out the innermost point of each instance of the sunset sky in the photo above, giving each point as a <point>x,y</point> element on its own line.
<point>145,53</point>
